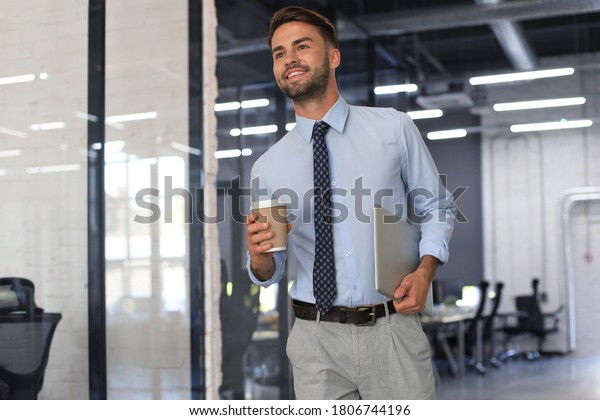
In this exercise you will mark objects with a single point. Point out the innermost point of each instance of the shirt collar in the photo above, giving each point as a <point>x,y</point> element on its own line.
<point>335,117</point>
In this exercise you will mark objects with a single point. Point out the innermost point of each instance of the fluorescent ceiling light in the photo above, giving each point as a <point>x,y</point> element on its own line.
<point>525,75</point>
<point>232,153</point>
<point>47,126</point>
<point>556,125</point>
<point>386,90</point>
<point>131,117</point>
<point>86,116</point>
<point>542,103</point>
<point>17,79</point>
<point>255,103</point>
<point>232,106</point>
<point>186,149</point>
<point>447,134</point>
<point>12,132</point>
<point>248,131</point>
<point>227,106</point>
<point>43,76</point>
<point>10,153</point>
<point>52,169</point>
<point>290,126</point>
<point>427,113</point>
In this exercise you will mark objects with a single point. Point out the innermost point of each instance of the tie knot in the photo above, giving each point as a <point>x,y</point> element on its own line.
<point>319,129</point>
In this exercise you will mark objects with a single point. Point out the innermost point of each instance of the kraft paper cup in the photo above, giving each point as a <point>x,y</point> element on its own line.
<point>273,212</point>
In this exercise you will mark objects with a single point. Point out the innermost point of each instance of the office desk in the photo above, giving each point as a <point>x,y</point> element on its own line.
<point>441,325</point>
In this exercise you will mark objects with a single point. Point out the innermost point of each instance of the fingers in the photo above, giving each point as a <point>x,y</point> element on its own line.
<point>257,233</point>
<point>406,298</point>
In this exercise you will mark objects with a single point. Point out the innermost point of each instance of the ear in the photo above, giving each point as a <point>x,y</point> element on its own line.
<point>335,58</point>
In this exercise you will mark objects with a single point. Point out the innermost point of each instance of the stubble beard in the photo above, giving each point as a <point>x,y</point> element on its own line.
<point>311,89</point>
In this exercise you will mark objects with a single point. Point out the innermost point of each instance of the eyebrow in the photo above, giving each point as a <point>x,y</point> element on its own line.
<point>296,42</point>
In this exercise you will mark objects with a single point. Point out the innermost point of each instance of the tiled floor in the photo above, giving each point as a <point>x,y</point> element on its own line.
<point>557,377</point>
<point>569,377</point>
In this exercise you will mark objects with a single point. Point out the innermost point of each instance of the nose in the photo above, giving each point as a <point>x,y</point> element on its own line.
<point>291,57</point>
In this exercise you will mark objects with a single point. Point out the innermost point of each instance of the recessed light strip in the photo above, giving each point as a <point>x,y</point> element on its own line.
<point>426,113</point>
<point>10,153</point>
<point>17,79</point>
<point>526,75</point>
<point>53,169</point>
<point>447,134</point>
<point>555,125</point>
<point>57,125</point>
<point>390,89</point>
<point>13,133</point>
<point>131,117</point>
<point>249,131</point>
<point>542,103</point>
<point>232,106</point>
<point>232,153</point>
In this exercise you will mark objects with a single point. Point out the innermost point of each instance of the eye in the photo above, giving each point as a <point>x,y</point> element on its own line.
<point>278,55</point>
<point>302,47</point>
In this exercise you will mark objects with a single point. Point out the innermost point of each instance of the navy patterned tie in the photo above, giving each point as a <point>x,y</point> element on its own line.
<point>324,266</point>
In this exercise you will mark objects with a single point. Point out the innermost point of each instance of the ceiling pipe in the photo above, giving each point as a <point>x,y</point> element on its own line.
<point>512,39</point>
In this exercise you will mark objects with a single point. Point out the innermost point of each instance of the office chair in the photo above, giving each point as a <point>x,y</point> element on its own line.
<point>26,333</point>
<point>17,295</point>
<point>488,325</point>
<point>530,320</point>
<point>472,358</point>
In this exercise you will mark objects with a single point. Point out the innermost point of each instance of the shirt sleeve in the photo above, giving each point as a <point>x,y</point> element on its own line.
<point>279,257</point>
<point>430,204</point>
<point>261,191</point>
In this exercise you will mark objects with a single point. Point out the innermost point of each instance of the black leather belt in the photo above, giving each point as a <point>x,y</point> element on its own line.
<point>362,315</point>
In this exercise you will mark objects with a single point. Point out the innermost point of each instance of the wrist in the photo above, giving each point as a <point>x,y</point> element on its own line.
<point>263,273</point>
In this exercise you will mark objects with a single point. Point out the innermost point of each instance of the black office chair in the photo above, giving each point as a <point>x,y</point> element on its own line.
<point>17,295</point>
<point>471,326</point>
<point>489,321</point>
<point>530,320</point>
<point>26,334</point>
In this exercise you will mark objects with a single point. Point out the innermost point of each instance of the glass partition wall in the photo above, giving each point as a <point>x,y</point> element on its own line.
<point>43,160</point>
<point>43,210</point>
<point>147,223</point>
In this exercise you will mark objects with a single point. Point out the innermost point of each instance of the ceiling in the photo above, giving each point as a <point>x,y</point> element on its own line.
<point>433,43</point>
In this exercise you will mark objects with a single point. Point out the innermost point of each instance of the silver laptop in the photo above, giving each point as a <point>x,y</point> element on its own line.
<point>396,253</point>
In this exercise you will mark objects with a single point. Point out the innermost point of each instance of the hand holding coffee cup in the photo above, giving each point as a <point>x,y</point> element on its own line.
<point>273,212</point>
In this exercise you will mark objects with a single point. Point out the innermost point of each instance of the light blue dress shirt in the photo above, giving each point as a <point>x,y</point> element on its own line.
<point>376,156</point>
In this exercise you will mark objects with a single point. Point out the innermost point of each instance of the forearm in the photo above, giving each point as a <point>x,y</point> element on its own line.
<point>428,267</point>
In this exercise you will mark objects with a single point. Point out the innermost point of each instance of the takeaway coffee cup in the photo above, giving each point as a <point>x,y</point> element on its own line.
<point>274,213</point>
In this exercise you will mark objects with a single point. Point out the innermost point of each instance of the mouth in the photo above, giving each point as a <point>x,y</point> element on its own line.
<point>294,74</point>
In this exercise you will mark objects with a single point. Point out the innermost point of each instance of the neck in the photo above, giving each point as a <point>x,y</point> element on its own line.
<point>315,109</point>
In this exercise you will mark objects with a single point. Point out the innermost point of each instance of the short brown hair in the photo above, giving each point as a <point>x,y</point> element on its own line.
<point>301,14</point>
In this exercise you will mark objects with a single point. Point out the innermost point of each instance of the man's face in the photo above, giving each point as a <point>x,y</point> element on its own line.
<point>301,64</point>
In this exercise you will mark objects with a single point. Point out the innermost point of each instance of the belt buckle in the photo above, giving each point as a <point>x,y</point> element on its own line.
<point>372,313</point>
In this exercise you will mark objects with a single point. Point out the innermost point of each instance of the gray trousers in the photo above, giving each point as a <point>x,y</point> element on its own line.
<point>390,360</point>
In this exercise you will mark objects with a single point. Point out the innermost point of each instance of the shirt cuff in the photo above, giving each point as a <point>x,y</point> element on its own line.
<point>434,249</point>
<point>279,257</point>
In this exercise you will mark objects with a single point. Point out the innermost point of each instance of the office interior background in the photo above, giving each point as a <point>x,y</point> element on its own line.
<point>102,101</point>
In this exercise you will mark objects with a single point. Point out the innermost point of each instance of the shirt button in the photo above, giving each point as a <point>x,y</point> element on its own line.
<point>348,254</point>
<point>333,183</point>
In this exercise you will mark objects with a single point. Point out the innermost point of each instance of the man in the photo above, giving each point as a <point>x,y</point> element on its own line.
<point>368,156</point>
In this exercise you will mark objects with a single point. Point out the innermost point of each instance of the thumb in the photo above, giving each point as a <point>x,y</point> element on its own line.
<point>402,290</point>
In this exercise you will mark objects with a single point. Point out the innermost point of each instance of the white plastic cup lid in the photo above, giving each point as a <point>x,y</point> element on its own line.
<point>268,203</point>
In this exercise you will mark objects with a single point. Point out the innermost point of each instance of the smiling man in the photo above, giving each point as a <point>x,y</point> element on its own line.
<point>348,341</point>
